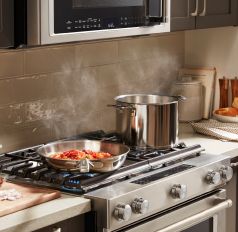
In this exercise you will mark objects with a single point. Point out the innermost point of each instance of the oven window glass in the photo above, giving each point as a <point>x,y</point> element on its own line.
<point>205,226</point>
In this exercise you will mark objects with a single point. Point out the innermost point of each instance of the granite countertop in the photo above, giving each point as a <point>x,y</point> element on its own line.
<point>68,206</point>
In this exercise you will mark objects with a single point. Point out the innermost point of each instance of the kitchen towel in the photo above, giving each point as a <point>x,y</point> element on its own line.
<point>219,130</point>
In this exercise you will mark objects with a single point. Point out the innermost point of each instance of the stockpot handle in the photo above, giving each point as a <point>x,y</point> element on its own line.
<point>121,107</point>
<point>180,97</point>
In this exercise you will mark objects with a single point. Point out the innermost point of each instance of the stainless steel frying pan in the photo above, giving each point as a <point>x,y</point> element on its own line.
<point>118,151</point>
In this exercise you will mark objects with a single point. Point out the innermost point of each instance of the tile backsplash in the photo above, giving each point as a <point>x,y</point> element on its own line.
<point>47,93</point>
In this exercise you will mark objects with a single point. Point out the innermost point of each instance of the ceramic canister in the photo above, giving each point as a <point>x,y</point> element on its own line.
<point>190,109</point>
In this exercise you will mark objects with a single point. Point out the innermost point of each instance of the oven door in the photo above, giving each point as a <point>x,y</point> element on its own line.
<point>82,20</point>
<point>206,214</point>
<point>6,23</point>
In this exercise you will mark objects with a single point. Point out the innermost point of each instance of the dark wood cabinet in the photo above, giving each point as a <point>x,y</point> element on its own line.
<point>181,18</point>
<point>194,14</point>
<point>6,23</point>
<point>75,224</point>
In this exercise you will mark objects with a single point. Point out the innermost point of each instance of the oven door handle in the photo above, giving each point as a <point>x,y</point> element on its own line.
<point>198,217</point>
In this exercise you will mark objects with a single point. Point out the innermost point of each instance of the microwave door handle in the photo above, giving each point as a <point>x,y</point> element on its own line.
<point>198,217</point>
<point>151,18</point>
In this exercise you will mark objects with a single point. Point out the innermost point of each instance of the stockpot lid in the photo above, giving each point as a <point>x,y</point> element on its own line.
<point>147,99</point>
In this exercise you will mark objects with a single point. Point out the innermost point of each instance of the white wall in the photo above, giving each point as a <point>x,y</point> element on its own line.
<point>214,47</point>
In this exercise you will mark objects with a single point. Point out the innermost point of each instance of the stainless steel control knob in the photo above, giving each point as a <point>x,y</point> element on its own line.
<point>226,173</point>
<point>213,177</point>
<point>179,191</point>
<point>139,205</point>
<point>122,212</point>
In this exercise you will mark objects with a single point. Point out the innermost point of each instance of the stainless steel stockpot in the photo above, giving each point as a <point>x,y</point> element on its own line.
<point>147,120</point>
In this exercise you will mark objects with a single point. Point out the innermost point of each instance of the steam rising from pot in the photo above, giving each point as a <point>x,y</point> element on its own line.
<point>84,93</point>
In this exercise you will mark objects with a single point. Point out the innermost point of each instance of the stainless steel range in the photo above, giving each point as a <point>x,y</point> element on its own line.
<point>179,189</point>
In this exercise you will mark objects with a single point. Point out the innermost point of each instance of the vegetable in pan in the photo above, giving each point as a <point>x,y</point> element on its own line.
<point>81,154</point>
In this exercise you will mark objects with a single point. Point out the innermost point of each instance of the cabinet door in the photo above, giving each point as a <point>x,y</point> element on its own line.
<point>6,23</point>
<point>217,13</point>
<point>181,18</point>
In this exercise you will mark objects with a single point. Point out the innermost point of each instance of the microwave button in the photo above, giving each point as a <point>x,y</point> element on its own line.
<point>69,28</point>
<point>69,22</point>
<point>110,25</point>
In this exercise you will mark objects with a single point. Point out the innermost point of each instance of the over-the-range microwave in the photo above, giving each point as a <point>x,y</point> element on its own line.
<point>40,22</point>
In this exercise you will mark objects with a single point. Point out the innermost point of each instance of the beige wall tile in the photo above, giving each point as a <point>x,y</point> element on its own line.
<point>106,75</point>
<point>96,54</point>
<point>6,92</point>
<point>39,110</point>
<point>75,125</point>
<point>47,60</point>
<point>216,47</point>
<point>139,48</point>
<point>66,89</point>
<point>62,84</point>
<point>11,64</point>
<point>151,47</point>
<point>12,115</point>
<point>17,137</point>
<point>30,88</point>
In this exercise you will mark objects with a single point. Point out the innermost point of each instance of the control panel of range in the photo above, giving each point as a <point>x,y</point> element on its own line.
<point>161,189</point>
<point>139,205</point>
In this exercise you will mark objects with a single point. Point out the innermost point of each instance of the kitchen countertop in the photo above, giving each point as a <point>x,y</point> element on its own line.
<point>211,145</point>
<point>45,214</point>
<point>68,206</point>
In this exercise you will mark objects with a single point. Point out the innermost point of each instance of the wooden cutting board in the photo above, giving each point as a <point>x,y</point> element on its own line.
<point>30,196</point>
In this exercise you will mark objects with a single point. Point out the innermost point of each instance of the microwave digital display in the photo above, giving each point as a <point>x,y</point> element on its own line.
<point>106,3</point>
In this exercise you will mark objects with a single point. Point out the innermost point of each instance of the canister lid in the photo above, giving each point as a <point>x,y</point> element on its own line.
<point>188,82</point>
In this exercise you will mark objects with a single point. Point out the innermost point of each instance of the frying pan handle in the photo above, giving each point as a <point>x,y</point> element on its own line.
<point>84,165</point>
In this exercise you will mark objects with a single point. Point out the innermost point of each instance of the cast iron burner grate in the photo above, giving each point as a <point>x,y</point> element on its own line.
<point>26,166</point>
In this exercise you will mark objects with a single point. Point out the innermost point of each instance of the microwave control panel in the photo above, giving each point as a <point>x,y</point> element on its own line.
<point>68,19</point>
<point>86,24</point>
